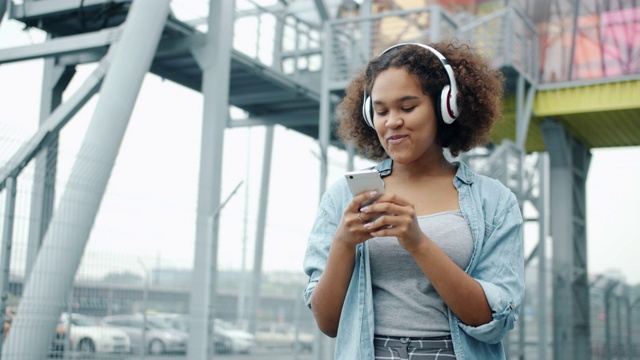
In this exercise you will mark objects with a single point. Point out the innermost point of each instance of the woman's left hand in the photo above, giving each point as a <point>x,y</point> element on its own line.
<point>399,220</point>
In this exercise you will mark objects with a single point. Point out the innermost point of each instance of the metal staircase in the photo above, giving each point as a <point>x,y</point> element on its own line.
<point>296,85</point>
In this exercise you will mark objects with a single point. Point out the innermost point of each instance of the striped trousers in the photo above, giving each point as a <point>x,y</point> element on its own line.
<point>404,348</point>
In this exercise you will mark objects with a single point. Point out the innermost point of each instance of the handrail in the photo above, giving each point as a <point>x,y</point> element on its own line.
<point>482,20</point>
<point>280,15</point>
<point>525,19</point>
<point>287,31</point>
<point>509,38</point>
<point>354,40</point>
<point>387,14</point>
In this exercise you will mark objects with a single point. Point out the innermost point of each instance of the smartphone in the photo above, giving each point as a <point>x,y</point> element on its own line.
<point>364,180</point>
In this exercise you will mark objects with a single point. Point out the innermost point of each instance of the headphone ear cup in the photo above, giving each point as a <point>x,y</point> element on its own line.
<point>445,106</point>
<point>437,109</point>
<point>367,111</point>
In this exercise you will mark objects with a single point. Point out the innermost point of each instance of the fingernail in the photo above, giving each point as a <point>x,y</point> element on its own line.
<point>367,225</point>
<point>364,209</point>
<point>373,193</point>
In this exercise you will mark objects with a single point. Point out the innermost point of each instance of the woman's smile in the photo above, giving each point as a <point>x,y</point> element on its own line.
<point>397,139</point>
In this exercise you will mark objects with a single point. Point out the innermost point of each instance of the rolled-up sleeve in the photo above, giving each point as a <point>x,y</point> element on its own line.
<point>320,237</point>
<point>500,272</point>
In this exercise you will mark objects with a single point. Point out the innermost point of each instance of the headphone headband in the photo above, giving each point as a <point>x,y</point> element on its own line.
<point>448,104</point>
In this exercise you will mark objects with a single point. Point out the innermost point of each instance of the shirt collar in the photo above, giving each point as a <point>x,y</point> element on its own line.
<point>384,167</point>
<point>463,174</point>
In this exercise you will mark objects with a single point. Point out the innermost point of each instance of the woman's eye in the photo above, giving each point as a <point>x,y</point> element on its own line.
<point>381,112</point>
<point>408,109</point>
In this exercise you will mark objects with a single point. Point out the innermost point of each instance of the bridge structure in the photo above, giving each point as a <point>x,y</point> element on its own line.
<point>297,87</point>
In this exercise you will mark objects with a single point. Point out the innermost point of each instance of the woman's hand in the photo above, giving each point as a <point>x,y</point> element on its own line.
<point>351,230</point>
<point>463,294</point>
<point>398,219</point>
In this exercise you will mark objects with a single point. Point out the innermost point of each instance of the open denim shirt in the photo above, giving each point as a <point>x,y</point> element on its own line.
<point>497,263</point>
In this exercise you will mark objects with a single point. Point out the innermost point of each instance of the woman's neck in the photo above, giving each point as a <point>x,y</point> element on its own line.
<point>428,166</point>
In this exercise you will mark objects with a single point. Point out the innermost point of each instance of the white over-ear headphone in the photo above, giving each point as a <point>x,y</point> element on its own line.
<point>448,106</point>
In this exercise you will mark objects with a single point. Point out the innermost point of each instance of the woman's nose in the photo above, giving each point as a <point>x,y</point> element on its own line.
<point>394,120</point>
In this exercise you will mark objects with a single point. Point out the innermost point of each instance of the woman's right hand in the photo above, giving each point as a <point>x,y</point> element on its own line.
<point>351,230</point>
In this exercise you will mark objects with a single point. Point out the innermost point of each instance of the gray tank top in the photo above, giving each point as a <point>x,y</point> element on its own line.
<point>404,301</point>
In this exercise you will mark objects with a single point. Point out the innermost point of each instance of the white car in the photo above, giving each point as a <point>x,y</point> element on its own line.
<point>86,335</point>
<point>274,335</point>
<point>231,340</point>
<point>227,339</point>
<point>159,338</point>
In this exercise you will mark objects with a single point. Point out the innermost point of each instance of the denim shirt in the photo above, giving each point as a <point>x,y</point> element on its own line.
<point>497,264</point>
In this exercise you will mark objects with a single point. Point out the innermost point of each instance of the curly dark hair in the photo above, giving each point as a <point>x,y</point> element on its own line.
<point>480,90</point>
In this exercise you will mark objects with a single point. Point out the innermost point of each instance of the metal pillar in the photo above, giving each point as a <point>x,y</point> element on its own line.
<point>214,58</point>
<point>569,166</point>
<point>324,131</point>
<point>524,108</point>
<point>56,78</point>
<point>619,291</point>
<point>3,8</point>
<point>5,251</point>
<point>630,305</point>
<point>58,260</point>
<point>256,278</point>
<point>241,316</point>
<point>324,126</point>
<point>543,228</point>
<point>351,154</point>
<point>523,118</point>
<point>610,286</point>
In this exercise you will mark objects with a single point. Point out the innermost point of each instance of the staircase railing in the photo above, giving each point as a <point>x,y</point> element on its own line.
<point>277,39</point>
<point>507,37</point>
<point>504,163</point>
<point>354,41</point>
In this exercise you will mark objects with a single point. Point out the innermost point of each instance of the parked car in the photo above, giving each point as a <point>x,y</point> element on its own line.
<point>159,337</point>
<point>227,339</point>
<point>273,335</point>
<point>84,334</point>
<point>230,339</point>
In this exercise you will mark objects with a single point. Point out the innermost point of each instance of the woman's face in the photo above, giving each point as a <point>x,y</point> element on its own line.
<point>403,116</point>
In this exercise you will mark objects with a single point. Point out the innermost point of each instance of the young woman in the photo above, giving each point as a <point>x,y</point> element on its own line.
<point>439,273</point>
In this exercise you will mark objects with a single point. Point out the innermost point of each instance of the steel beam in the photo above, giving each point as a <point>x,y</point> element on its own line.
<point>51,279</point>
<point>289,119</point>
<point>256,279</point>
<point>61,46</point>
<point>34,9</point>
<point>569,164</point>
<point>58,118</point>
<point>56,78</point>
<point>321,7</point>
<point>542,205</point>
<point>3,8</point>
<point>5,250</point>
<point>214,58</point>
<point>588,97</point>
<point>324,126</point>
<point>524,108</point>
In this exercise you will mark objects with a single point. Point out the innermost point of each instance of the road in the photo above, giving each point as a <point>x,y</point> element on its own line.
<point>262,354</point>
<point>258,353</point>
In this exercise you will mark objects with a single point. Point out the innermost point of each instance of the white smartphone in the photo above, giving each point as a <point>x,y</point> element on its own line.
<point>364,180</point>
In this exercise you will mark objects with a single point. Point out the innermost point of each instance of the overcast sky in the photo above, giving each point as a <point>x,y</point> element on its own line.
<point>148,211</point>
